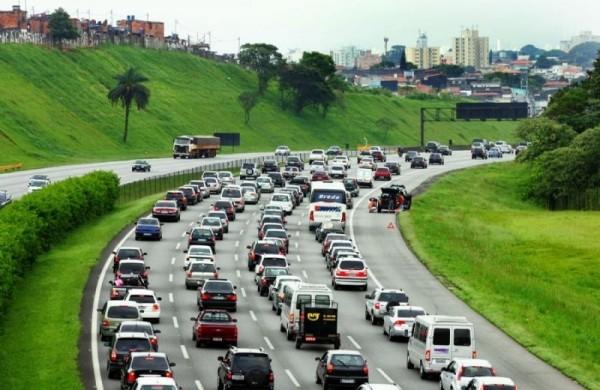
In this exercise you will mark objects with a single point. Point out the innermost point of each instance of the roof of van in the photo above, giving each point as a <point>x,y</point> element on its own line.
<point>312,286</point>
<point>328,185</point>
<point>436,319</point>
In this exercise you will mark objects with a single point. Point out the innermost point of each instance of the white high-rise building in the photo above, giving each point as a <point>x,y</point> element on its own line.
<point>346,57</point>
<point>584,36</point>
<point>471,50</point>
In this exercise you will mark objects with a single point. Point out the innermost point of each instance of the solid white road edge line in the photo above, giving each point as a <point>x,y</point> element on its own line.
<point>385,376</point>
<point>198,385</point>
<point>253,316</point>
<point>291,376</point>
<point>356,345</point>
<point>184,352</point>
<point>269,344</point>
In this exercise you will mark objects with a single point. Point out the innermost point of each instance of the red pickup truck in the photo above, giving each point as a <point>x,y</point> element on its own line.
<point>214,326</point>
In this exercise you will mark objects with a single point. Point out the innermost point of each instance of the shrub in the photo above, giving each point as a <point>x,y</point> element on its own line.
<point>31,225</point>
<point>544,135</point>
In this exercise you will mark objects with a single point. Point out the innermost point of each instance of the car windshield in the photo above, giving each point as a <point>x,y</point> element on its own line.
<point>273,272</point>
<point>276,233</point>
<point>126,312</point>
<point>215,316</point>
<point>274,262</point>
<point>251,361</point>
<point>137,344</point>
<point>218,286</point>
<point>150,362</point>
<point>347,360</point>
<point>128,254</point>
<point>148,221</point>
<point>203,267</point>
<point>352,265</point>
<point>142,298</point>
<point>131,268</point>
<point>280,198</point>
<point>231,193</point>
<point>393,297</point>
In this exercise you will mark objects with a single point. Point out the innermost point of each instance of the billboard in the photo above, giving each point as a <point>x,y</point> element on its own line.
<point>494,111</point>
<point>229,139</point>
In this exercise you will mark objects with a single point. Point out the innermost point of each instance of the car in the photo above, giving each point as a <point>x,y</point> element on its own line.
<point>382,173</point>
<point>333,151</point>
<point>337,171</point>
<point>362,154</point>
<point>341,368</point>
<point>214,326</point>
<point>432,147</point>
<point>290,172</point>
<point>506,148</point>
<point>269,261</point>
<point>398,319</point>
<point>214,184</point>
<point>436,158</point>
<point>235,196</point>
<point>350,272</point>
<point>202,236</point>
<point>127,253</point>
<point>37,185</point>
<point>418,162</point>
<point>155,383</point>
<point>245,368</point>
<point>316,154</point>
<point>268,277</point>
<point>393,166</point>
<point>364,177</point>
<point>145,363</point>
<point>250,195</point>
<point>351,185</point>
<point>215,224</point>
<point>119,348</point>
<point>295,161</point>
<point>297,192</point>
<point>249,184</point>
<point>249,170</point>
<point>140,327</point>
<point>140,166</point>
<point>410,155</point>
<point>5,198</point>
<point>376,303</point>
<point>284,201</point>
<point>328,227</point>
<point>278,287</point>
<point>226,177</point>
<point>113,312</point>
<point>491,383</point>
<point>277,179</point>
<point>280,234</point>
<point>270,166</point>
<point>444,150</point>
<point>190,194</point>
<point>349,201</point>
<point>260,248</point>
<point>520,149</point>
<point>495,153</point>
<point>479,152</point>
<point>205,191</point>
<point>277,282</point>
<point>378,156</point>
<point>265,184</point>
<point>295,195</point>
<point>148,303</point>
<point>132,267</point>
<point>282,150</point>
<point>198,191</point>
<point>275,215</point>
<point>459,372</point>
<point>198,271</point>
<point>329,239</point>
<point>227,206</point>
<point>320,176</point>
<point>178,197</point>
<point>344,160</point>
<point>197,253</point>
<point>223,216</point>
<point>129,281</point>
<point>317,165</point>
<point>207,174</point>
<point>482,142</point>
<point>368,163</point>
<point>217,294</point>
<point>166,210</point>
<point>45,178</point>
<point>148,228</point>
<point>265,227</point>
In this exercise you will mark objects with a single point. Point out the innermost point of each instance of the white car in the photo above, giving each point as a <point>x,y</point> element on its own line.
<point>147,301</point>
<point>36,185</point>
<point>265,184</point>
<point>491,382</point>
<point>197,252</point>
<point>155,382</point>
<point>199,271</point>
<point>284,201</point>
<point>282,150</point>
<point>39,177</point>
<point>344,160</point>
<point>506,148</point>
<point>234,194</point>
<point>368,163</point>
<point>364,177</point>
<point>317,154</point>
<point>337,171</point>
<point>213,184</point>
<point>274,287</point>
<point>226,177</point>
<point>317,165</point>
<point>460,372</point>
<point>251,196</point>
<point>398,320</point>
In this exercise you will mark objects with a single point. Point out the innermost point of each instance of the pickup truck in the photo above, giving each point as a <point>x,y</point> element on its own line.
<point>214,326</point>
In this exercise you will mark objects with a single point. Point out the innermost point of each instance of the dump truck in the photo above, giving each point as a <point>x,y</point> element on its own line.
<point>196,146</point>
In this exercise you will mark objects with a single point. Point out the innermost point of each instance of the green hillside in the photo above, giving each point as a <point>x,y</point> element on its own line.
<point>53,109</point>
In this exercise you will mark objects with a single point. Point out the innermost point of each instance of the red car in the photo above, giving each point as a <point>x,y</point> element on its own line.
<point>330,237</point>
<point>166,209</point>
<point>214,326</point>
<point>382,173</point>
<point>179,197</point>
<point>378,156</point>
<point>227,206</point>
<point>259,248</point>
<point>320,176</point>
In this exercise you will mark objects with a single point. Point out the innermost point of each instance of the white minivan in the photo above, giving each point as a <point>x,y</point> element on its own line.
<point>364,177</point>
<point>294,296</point>
<point>435,340</point>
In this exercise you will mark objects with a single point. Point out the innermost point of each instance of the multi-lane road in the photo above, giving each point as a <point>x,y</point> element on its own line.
<point>391,265</point>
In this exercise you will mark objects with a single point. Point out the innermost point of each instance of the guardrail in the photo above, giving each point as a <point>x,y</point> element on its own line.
<point>10,167</point>
<point>586,201</point>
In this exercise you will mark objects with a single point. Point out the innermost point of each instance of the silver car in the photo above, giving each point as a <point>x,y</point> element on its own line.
<point>198,272</point>
<point>398,320</point>
<point>226,177</point>
<point>250,195</point>
<point>265,184</point>
<point>377,300</point>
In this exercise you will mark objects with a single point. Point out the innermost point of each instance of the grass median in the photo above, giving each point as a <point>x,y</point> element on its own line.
<point>533,273</point>
<point>40,331</point>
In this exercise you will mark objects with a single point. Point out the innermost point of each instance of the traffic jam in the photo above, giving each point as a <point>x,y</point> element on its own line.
<point>185,286</point>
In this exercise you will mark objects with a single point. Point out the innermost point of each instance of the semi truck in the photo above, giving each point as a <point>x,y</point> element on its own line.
<point>196,146</point>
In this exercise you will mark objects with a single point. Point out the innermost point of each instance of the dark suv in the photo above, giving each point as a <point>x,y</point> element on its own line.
<point>217,294</point>
<point>270,166</point>
<point>245,368</point>
<point>277,179</point>
<point>295,161</point>
<point>432,147</point>
<point>479,152</point>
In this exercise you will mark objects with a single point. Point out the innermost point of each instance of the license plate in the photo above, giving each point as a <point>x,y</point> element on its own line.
<point>147,234</point>
<point>237,377</point>
<point>440,360</point>
<point>217,339</point>
<point>219,298</point>
<point>347,381</point>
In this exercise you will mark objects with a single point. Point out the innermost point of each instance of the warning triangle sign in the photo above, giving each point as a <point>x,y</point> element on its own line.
<point>391,226</point>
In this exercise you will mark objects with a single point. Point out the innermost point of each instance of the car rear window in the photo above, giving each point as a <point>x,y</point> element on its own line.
<point>211,221</point>
<point>499,387</point>
<point>223,204</point>
<point>280,198</point>
<point>202,267</point>
<point>462,337</point>
<point>142,298</point>
<point>347,360</point>
<point>303,299</point>
<point>215,316</point>
<point>402,313</point>
<point>148,221</point>
<point>441,336</point>
<point>254,361</point>
<point>158,387</point>
<point>128,254</point>
<point>210,180</point>
<point>277,233</point>
<point>154,363</point>
<point>274,262</point>
<point>198,233</point>
<point>131,268</point>
<point>133,345</point>
<point>273,272</point>
<point>127,312</point>
<point>393,297</point>
<point>322,300</point>
<point>266,249</point>
<point>231,193</point>
<point>165,204</point>
<point>218,287</point>
<point>473,372</point>
<point>137,327</point>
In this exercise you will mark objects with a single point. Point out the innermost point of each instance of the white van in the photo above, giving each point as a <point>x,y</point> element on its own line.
<point>294,295</point>
<point>364,177</point>
<point>435,340</point>
<point>327,203</point>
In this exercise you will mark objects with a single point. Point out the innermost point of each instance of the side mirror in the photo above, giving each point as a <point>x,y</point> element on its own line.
<point>142,311</point>
<point>162,224</point>
<point>192,318</point>
<point>184,268</point>
<point>289,236</point>
<point>220,358</point>
<point>218,268</point>
<point>172,364</point>
<point>114,252</point>
<point>248,246</point>
<point>145,253</point>
<point>111,282</point>
<point>100,310</point>
<point>157,331</point>
<point>368,296</point>
<point>159,298</point>
<point>235,320</point>
<point>235,287</point>
<point>317,359</point>
<point>185,251</point>
<point>147,267</point>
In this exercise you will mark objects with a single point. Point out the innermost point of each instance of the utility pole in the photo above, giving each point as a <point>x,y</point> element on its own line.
<point>239,46</point>
<point>175,26</point>
<point>111,18</point>
<point>209,39</point>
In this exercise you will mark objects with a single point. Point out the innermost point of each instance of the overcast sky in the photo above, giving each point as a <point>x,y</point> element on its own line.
<point>328,24</point>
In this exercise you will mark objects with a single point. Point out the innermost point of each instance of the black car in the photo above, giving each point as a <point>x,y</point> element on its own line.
<point>410,155</point>
<point>303,182</point>
<point>217,294</point>
<point>277,179</point>
<point>432,147</point>
<point>270,166</point>
<point>202,236</point>
<point>190,194</point>
<point>295,161</point>
<point>418,162</point>
<point>244,368</point>
<point>436,158</point>
<point>120,347</point>
<point>479,152</point>
<point>145,364</point>
<point>351,185</point>
<point>341,368</point>
<point>393,166</point>
<point>328,227</point>
<point>140,166</point>
<point>444,150</point>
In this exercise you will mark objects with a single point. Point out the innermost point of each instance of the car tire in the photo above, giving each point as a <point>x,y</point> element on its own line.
<point>281,328</point>
<point>289,335</point>
<point>422,373</point>
<point>317,380</point>
<point>409,364</point>
<point>373,320</point>
<point>367,315</point>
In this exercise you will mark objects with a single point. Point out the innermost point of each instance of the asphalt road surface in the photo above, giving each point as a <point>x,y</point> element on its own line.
<point>391,265</point>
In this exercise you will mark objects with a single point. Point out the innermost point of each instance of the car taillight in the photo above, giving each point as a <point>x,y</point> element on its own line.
<point>399,322</point>
<point>232,298</point>
<point>362,274</point>
<point>189,274</point>
<point>205,297</point>
<point>169,374</point>
<point>474,355</point>
<point>155,307</point>
<point>311,216</point>
<point>365,369</point>
<point>271,377</point>
<point>154,341</point>
<point>460,373</point>
<point>329,368</point>
<point>216,275</point>
<point>339,272</point>
<point>377,305</point>
<point>291,317</point>
<point>131,377</point>
<point>105,323</point>
<point>114,293</point>
<point>229,376</point>
<point>428,355</point>
<point>116,259</point>
<point>343,217</point>
<point>493,371</point>
<point>113,356</point>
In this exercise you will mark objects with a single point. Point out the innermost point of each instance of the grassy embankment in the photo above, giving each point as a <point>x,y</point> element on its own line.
<point>533,273</point>
<point>40,331</point>
<point>54,109</point>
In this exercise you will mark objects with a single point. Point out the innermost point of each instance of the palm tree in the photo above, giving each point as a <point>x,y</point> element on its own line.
<point>129,88</point>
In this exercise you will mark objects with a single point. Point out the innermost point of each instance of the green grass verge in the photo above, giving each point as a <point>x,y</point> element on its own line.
<point>533,273</point>
<point>40,331</point>
<point>57,111</point>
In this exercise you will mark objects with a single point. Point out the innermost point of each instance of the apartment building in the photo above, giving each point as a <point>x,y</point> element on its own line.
<point>471,50</point>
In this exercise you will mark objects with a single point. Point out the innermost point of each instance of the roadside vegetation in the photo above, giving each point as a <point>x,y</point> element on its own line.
<point>532,272</point>
<point>58,113</point>
<point>41,326</point>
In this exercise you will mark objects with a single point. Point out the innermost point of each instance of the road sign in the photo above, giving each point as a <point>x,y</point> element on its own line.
<point>391,225</point>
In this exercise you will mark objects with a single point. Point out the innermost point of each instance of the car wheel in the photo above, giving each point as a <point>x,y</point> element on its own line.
<point>389,334</point>
<point>290,335</point>
<point>281,328</point>
<point>367,315</point>
<point>219,385</point>
<point>409,364</point>
<point>373,320</point>
<point>422,373</point>
<point>317,380</point>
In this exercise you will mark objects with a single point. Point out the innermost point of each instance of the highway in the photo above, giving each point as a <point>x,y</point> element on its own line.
<point>391,264</point>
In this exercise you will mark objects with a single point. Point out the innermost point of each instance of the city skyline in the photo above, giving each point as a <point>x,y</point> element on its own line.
<point>326,26</point>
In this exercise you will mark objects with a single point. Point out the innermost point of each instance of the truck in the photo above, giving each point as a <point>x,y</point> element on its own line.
<point>196,146</point>
<point>318,325</point>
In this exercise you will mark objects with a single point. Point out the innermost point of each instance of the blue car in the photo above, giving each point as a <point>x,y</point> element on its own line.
<point>148,228</point>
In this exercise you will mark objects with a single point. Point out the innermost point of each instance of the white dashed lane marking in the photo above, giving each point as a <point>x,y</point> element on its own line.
<point>253,316</point>
<point>269,344</point>
<point>175,322</point>
<point>292,378</point>
<point>356,345</point>
<point>184,352</point>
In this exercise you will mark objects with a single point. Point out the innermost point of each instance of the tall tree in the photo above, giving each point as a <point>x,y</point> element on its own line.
<point>130,89</point>
<point>403,60</point>
<point>248,100</point>
<point>264,59</point>
<point>61,27</point>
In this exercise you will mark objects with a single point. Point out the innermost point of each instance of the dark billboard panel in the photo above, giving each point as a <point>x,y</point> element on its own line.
<point>495,111</point>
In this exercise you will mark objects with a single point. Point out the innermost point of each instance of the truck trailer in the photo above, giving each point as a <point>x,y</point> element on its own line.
<point>196,146</point>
